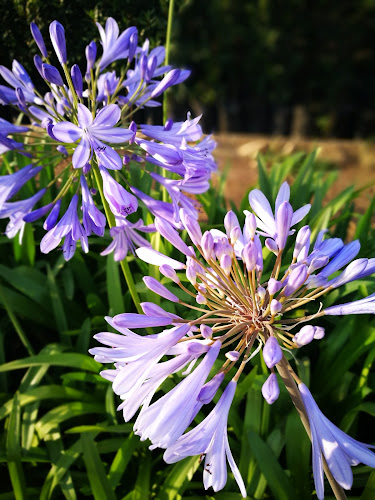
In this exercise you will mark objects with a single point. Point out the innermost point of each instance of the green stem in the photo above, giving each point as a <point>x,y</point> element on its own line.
<point>124,263</point>
<point>15,323</point>
<point>284,370</point>
<point>167,50</point>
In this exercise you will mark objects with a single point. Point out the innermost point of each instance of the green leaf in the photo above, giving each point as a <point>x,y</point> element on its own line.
<point>369,491</point>
<point>59,469</point>
<point>100,486</point>
<point>142,485</point>
<point>277,480</point>
<point>264,182</point>
<point>13,447</point>
<point>122,458</point>
<point>57,307</point>
<point>178,479</point>
<point>60,414</point>
<point>298,454</point>
<point>115,300</point>
<point>71,360</point>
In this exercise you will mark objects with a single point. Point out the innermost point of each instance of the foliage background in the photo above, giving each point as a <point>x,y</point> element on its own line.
<point>61,435</point>
<point>264,66</point>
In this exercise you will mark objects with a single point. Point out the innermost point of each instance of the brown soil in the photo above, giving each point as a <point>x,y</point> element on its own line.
<point>355,161</point>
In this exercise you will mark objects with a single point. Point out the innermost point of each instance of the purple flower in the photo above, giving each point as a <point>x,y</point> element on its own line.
<point>340,450</point>
<point>164,421</point>
<point>38,39</point>
<point>114,46</point>
<point>270,389</point>
<point>57,34</point>
<point>52,74</point>
<point>17,78</point>
<point>16,211</point>
<point>10,184</point>
<point>138,355</point>
<point>271,352</point>
<point>210,439</point>
<point>93,220</point>
<point>68,227</point>
<point>126,238</point>
<point>362,306</point>
<point>271,226</point>
<point>91,132</point>
<point>121,202</point>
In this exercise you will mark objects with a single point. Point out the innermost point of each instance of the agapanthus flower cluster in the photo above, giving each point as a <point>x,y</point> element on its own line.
<point>239,312</point>
<point>87,117</point>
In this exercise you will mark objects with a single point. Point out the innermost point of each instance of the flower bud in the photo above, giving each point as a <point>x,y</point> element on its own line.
<point>62,149</point>
<point>201,299</point>
<point>170,234</point>
<point>317,263</point>
<point>270,389</point>
<point>226,264</point>
<point>272,246</point>
<point>51,220</point>
<point>206,331</point>
<point>143,66</point>
<point>275,307</point>
<point>261,292</point>
<point>235,234</point>
<point>192,227</point>
<point>271,352</point>
<point>208,391</point>
<point>133,43</point>
<point>86,168</point>
<point>302,244</point>
<point>90,55</point>
<point>284,217</point>
<point>77,80</point>
<point>273,286</point>
<point>52,74</point>
<point>170,79</point>
<point>249,255</point>
<point>207,243</point>
<point>57,34</point>
<point>151,66</point>
<point>230,221</point>
<point>38,39</point>
<point>38,64</point>
<point>250,225</point>
<point>319,333</point>
<point>232,355</point>
<point>304,336</point>
<point>296,279</point>
<point>38,213</point>
<point>21,99</point>
<point>154,285</point>
<point>169,272</point>
<point>191,275</point>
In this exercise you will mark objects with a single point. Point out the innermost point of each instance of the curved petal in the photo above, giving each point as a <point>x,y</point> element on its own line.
<point>282,195</point>
<point>67,132</point>
<point>84,116</point>
<point>262,208</point>
<point>300,214</point>
<point>107,156</point>
<point>107,117</point>
<point>81,153</point>
<point>49,242</point>
<point>116,135</point>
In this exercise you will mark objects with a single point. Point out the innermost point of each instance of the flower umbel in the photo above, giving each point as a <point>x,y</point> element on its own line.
<point>240,313</point>
<point>85,121</point>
